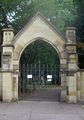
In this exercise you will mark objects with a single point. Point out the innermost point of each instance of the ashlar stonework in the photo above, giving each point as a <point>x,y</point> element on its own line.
<point>13,47</point>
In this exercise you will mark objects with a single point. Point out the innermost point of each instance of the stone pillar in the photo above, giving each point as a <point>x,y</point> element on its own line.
<point>78,85</point>
<point>63,86</point>
<point>0,85</point>
<point>7,65</point>
<point>71,64</point>
<point>63,80</point>
<point>15,79</point>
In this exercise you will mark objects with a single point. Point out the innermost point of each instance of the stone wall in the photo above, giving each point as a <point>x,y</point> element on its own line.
<point>0,84</point>
<point>82,85</point>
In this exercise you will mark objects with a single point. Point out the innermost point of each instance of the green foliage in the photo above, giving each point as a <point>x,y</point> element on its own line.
<point>59,12</point>
<point>79,8</point>
<point>80,19</point>
<point>40,51</point>
<point>18,13</point>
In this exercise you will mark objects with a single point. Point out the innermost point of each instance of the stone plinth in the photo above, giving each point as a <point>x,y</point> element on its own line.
<point>7,86</point>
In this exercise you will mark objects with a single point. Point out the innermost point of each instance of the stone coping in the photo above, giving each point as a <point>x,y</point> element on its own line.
<point>7,29</point>
<point>66,71</point>
<point>70,28</point>
<point>71,44</point>
<point>7,45</point>
<point>1,71</point>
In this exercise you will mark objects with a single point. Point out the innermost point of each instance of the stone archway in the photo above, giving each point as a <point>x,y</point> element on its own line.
<point>13,47</point>
<point>38,87</point>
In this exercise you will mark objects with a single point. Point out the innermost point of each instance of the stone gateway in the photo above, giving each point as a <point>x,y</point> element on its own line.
<point>72,79</point>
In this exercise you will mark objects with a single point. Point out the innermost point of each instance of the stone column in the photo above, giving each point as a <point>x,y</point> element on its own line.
<point>7,65</point>
<point>0,85</point>
<point>78,85</point>
<point>15,79</point>
<point>71,64</point>
<point>63,86</point>
<point>63,80</point>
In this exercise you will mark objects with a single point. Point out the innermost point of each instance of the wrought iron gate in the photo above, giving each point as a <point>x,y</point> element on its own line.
<point>39,82</point>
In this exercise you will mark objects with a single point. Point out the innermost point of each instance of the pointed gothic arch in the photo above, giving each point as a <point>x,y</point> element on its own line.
<point>40,27</point>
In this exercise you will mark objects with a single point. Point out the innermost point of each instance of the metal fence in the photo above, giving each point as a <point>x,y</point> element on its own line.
<point>36,79</point>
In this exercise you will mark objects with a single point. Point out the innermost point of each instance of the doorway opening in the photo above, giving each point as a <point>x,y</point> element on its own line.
<point>39,72</point>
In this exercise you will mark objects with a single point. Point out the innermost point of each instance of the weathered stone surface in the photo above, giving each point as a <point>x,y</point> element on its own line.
<point>82,85</point>
<point>8,35</point>
<point>15,87</point>
<point>40,28</point>
<point>7,87</point>
<point>0,84</point>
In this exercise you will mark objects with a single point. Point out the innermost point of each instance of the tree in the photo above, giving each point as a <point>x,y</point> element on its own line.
<point>40,51</point>
<point>79,8</point>
<point>59,12</point>
<point>16,13</point>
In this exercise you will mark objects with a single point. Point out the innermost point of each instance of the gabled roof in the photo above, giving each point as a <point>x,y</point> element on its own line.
<point>39,15</point>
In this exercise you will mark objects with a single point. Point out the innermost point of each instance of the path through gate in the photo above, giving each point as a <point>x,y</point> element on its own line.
<point>39,82</point>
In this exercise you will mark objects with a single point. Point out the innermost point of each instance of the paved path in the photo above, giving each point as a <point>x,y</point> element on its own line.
<point>44,95</point>
<point>34,110</point>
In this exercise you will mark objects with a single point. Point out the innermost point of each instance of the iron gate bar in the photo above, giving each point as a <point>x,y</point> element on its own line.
<point>39,74</point>
<point>39,82</point>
